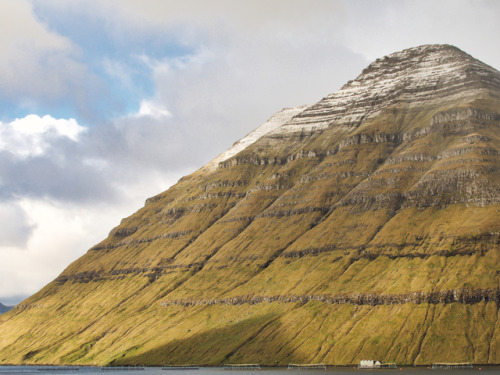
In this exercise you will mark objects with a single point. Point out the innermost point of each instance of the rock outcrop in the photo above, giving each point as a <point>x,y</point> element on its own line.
<point>365,225</point>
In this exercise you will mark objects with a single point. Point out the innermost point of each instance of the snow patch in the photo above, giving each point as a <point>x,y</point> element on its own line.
<point>276,121</point>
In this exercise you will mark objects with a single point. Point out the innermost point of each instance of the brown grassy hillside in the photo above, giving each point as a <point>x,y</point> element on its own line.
<point>366,226</point>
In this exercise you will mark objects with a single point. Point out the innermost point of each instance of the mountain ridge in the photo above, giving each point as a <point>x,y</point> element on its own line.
<point>365,225</point>
<point>4,308</point>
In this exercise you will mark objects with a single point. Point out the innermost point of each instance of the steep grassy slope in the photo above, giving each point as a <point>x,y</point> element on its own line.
<point>367,226</point>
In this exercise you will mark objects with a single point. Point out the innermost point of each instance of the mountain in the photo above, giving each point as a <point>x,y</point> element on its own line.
<point>364,226</point>
<point>4,308</point>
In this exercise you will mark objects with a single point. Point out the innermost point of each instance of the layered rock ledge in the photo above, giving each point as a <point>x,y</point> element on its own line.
<point>467,296</point>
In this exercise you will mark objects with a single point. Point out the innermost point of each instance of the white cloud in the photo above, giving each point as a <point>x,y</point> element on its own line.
<point>149,108</point>
<point>59,235</point>
<point>32,135</point>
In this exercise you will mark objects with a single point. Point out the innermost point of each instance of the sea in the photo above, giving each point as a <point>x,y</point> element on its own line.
<point>88,370</point>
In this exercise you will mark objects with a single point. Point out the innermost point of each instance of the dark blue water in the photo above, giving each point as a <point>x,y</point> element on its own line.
<point>41,370</point>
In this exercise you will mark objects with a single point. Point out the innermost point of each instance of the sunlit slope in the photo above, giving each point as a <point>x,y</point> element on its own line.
<point>362,230</point>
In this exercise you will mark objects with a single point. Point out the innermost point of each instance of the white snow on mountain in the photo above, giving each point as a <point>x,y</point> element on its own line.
<point>277,120</point>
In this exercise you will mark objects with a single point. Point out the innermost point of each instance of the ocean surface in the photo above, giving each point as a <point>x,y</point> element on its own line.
<point>40,370</point>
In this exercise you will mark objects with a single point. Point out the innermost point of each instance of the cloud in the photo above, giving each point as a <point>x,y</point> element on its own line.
<point>42,157</point>
<point>44,71</point>
<point>32,135</point>
<point>37,65</point>
<point>149,108</point>
<point>61,161</point>
<point>59,233</point>
<point>15,228</point>
<point>403,24</point>
<point>27,45</point>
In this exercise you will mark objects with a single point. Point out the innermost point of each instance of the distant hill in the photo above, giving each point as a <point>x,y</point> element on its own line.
<point>4,309</point>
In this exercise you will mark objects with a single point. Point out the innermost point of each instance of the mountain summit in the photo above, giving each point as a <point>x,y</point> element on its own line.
<point>364,226</point>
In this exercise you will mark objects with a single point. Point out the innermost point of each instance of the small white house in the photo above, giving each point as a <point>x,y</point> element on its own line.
<point>369,363</point>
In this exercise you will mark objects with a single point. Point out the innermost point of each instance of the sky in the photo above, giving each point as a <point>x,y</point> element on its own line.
<point>104,103</point>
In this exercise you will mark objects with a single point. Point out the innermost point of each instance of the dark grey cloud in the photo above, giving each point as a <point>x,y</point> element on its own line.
<point>59,174</point>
